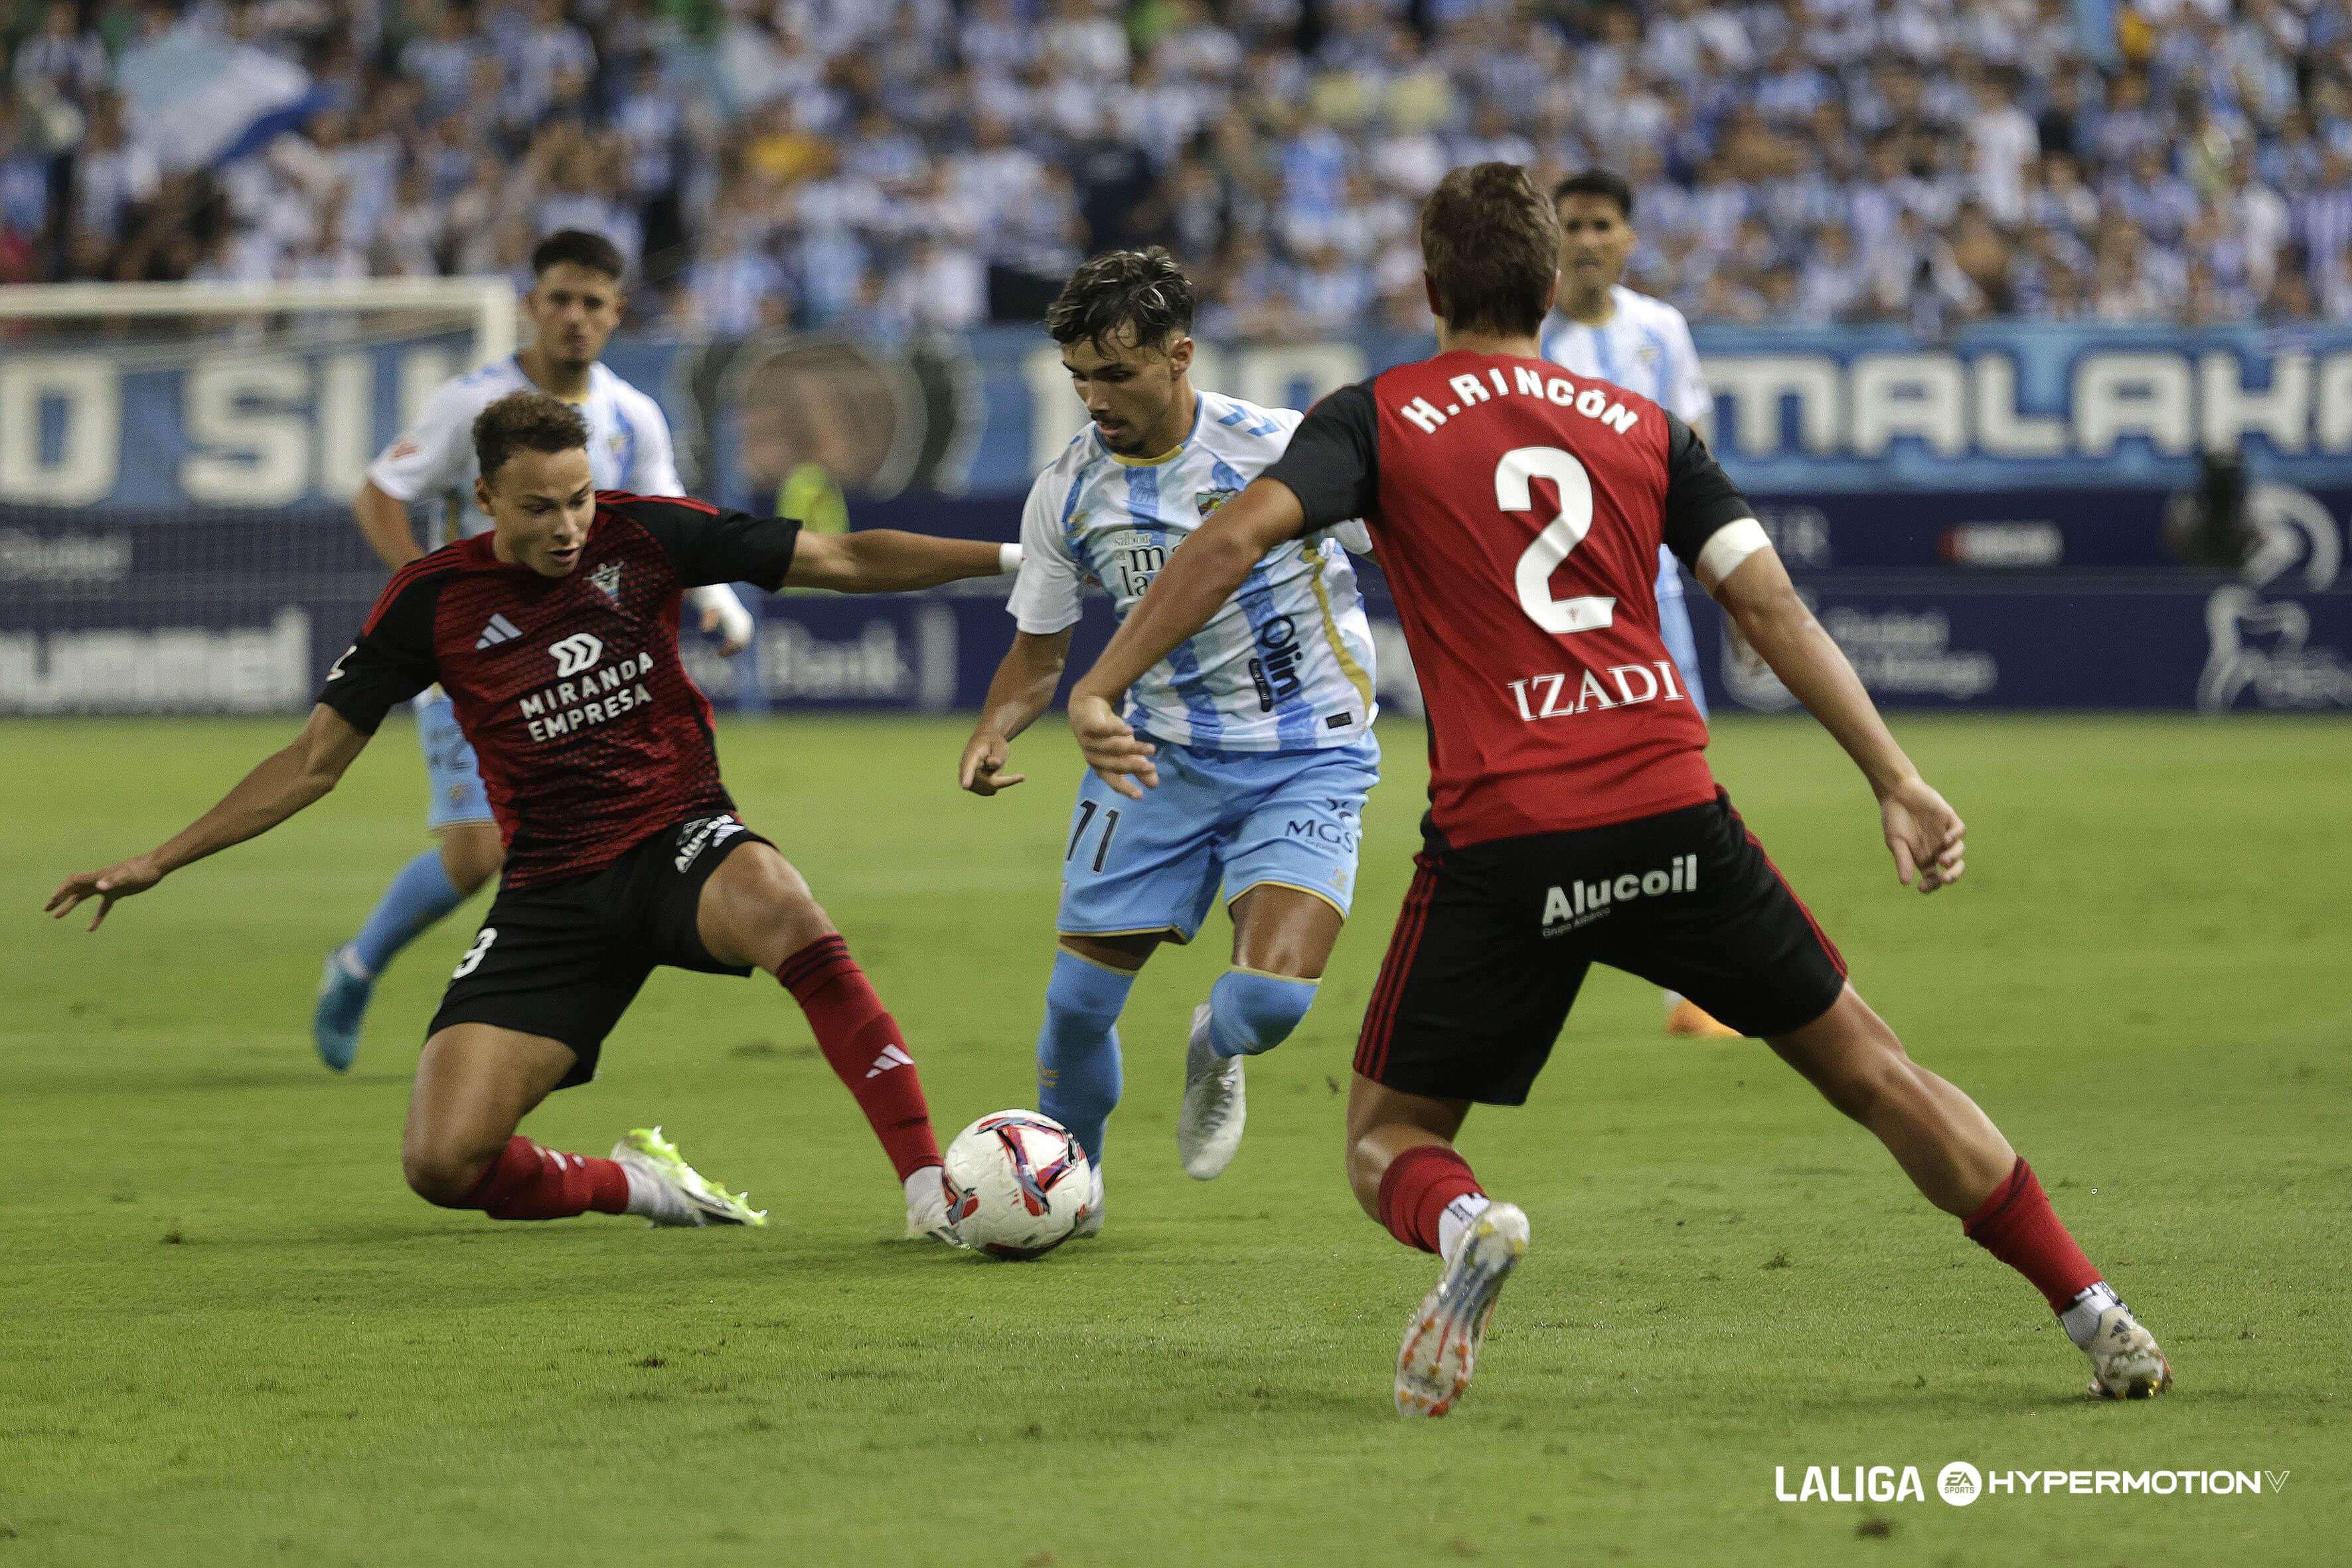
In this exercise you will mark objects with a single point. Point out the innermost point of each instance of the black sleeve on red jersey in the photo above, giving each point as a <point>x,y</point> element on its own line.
<point>706,544</point>
<point>394,659</point>
<point>1700,496</point>
<point>1333,460</point>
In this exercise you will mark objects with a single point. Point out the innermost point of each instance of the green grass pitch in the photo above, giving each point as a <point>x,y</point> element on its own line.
<point>228,1334</point>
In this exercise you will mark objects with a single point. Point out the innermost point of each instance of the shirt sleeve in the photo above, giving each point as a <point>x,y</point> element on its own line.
<point>393,659</point>
<point>1333,462</point>
<point>1049,594</point>
<point>1692,399</point>
<point>1701,499</point>
<point>706,544</point>
<point>434,454</point>
<point>654,471</point>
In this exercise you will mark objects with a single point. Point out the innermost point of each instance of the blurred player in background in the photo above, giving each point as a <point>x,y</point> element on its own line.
<point>1601,328</point>
<point>575,304</point>
<point>1573,819</point>
<point>1263,717</point>
<point>555,636</point>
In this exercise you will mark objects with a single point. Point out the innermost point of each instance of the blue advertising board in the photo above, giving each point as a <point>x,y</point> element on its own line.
<point>1996,407</point>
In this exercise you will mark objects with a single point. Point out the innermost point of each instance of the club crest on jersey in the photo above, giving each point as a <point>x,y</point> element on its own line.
<point>1210,500</point>
<point>606,580</point>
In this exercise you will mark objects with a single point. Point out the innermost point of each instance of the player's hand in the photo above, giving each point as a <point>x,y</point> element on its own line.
<point>117,881</point>
<point>1924,835</point>
<point>1112,750</point>
<point>982,768</point>
<point>731,624</point>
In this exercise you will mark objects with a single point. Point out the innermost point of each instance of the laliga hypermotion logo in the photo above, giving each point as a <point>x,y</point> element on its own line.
<point>2256,643</point>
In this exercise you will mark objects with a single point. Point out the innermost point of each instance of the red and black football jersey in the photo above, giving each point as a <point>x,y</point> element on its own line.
<point>1518,511</point>
<point>589,731</point>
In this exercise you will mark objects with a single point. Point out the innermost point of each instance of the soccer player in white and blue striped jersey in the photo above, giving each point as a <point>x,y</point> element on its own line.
<point>1598,327</point>
<point>1261,720</point>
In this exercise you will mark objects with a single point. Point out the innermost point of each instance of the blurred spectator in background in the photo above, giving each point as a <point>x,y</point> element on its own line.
<point>926,164</point>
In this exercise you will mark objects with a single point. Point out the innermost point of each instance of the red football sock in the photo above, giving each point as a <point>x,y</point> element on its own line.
<point>2018,1226</point>
<point>527,1181</point>
<point>1417,1186</point>
<point>863,1043</point>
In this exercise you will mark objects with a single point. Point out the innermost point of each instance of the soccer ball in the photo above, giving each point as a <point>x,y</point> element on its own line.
<point>1018,1184</point>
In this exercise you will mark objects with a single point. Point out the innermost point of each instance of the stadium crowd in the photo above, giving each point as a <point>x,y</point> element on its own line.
<point>889,166</point>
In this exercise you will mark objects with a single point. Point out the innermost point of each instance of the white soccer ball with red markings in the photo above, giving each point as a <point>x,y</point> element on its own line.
<point>1018,1184</point>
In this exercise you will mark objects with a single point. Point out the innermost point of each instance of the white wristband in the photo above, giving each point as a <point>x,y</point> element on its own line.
<point>1008,559</point>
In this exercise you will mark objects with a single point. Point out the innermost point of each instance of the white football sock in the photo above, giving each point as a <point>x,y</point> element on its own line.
<point>650,1199</point>
<point>2081,1320</point>
<point>926,1189</point>
<point>1455,1222</point>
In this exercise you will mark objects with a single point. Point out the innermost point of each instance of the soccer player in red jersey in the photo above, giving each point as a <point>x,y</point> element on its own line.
<point>556,635</point>
<point>1517,510</point>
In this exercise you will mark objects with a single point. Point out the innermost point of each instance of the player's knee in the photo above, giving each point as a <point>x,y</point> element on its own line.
<point>471,856</point>
<point>766,904</point>
<point>1249,1012</point>
<point>443,1176</point>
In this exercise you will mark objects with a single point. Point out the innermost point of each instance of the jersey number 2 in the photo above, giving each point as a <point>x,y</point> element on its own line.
<point>1515,478</point>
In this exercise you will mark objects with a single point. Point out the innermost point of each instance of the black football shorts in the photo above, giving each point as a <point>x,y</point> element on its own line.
<point>565,959</point>
<point>1495,939</point>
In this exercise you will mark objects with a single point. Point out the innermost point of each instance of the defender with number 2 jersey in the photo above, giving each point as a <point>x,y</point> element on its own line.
<point>590,732</point>
<point>1519,511</point>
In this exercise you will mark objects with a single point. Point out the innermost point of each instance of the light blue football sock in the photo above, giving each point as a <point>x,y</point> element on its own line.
<point>1250,1011</point>
<point>1077,1049</point>
<point>418,896</point>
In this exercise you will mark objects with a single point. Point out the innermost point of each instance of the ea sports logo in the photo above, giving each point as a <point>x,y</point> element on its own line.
<point>575,653</point>
<point>1959,1484</point>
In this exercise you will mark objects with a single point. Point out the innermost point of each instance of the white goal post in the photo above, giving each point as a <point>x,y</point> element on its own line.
<point>491,301</point>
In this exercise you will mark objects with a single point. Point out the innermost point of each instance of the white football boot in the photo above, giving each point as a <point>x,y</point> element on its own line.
<point>1441,1345</point>
<point>1091,1223</point>
<point>1209,1127</point>
<point>683,1195</point>
<point>926,1208</point>
<point>2125,1361</point>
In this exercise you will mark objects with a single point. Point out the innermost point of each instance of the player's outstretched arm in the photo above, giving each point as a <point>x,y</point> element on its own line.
<point>1022,689</point>
<point>888,560</point>
<point>1201,573</point>
<point>1922,832</point>
<point>282,786</point>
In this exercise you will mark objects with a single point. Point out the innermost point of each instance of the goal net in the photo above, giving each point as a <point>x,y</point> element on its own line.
<point>177,464</point>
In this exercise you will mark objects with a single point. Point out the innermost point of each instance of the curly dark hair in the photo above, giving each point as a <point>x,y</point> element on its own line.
<point>1491,244</point>
<point>1141,292</point>
<point>526,421</point>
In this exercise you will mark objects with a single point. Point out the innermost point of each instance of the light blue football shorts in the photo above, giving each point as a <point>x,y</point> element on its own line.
<point>1231,819</point>
<point>450,766</point>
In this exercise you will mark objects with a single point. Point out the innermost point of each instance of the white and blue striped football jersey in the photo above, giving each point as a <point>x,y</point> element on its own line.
<point>629,441</point>
<point>1287,666</point>
<point>1644,346</point>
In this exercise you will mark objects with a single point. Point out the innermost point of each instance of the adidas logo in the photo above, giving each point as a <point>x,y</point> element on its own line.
<point>892,1056</point>
<point>500,630</point>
